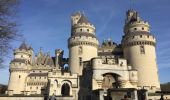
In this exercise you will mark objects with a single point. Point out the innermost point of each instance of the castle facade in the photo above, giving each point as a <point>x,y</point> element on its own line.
<point>95,71</point>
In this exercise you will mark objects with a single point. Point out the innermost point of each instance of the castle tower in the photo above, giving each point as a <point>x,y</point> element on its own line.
<point>139,50</point>
<point>19,68</point>
<point>82,44</point>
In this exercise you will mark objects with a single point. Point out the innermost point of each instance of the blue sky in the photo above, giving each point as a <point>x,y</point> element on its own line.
<point>46,24</point>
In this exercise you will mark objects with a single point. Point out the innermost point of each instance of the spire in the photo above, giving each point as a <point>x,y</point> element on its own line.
<point>40,54</point>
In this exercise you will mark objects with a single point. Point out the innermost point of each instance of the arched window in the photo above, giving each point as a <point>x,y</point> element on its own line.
<point>80,50</point>
<point>65,89</point>
<point>110,81</point>
<point>142,49</point>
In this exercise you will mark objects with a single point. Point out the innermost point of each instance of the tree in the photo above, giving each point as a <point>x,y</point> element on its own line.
<point>165,86</point>
<point>8,31</point>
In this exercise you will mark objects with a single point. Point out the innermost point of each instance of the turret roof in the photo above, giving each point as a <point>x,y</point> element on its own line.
<point>25,46</point>
<point>83,19</point>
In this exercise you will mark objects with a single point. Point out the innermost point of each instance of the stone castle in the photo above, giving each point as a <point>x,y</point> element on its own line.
<point>106,71</point>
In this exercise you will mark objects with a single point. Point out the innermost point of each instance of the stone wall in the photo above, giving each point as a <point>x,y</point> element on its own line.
<point>21,98</point>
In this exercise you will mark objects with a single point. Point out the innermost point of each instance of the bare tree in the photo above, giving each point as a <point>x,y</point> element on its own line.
<point>8,31</point>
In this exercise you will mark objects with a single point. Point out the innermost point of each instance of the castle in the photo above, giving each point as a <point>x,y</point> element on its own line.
<point>95,71</point>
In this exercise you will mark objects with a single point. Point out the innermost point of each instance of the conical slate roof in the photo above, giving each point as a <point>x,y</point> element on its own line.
<point>83,19</point>
<point>24,46</point>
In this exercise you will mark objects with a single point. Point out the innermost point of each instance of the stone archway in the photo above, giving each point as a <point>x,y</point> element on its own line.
<point>110,80</point>
<point>65,89</point>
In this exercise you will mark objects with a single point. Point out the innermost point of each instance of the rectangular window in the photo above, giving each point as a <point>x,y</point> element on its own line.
<point>142,49</point>
<point>80,61</point>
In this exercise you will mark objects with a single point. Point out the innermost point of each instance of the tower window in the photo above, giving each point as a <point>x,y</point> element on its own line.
<point>133,37</point>
<point>140,36</point>
<point>142,49</point>
<point>142,28</point>
<point>135,28</point>
<point>81,30</point>
<point>21,56</point>
<point>80,61</point>
<point>19,76</point>
<point>87,30</point>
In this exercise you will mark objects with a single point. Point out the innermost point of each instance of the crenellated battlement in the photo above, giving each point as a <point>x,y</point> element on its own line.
<point>83,40</point>
<point>138,39</point>
<point>62,75</point>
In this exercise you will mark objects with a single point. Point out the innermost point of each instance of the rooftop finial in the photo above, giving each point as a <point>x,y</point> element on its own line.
<point>41,50</point>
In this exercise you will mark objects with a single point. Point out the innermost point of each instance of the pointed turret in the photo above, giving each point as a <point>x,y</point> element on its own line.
<point>19,68</point>
<point>82,40</point>
<point>139,50</point>
<point>24,52</point>
<point>134,23</point>
<point>81,25</point>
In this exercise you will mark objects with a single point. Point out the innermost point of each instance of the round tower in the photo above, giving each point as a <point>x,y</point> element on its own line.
<point>19,69</point>
<point>139,50</point>
<point>82,44</point>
